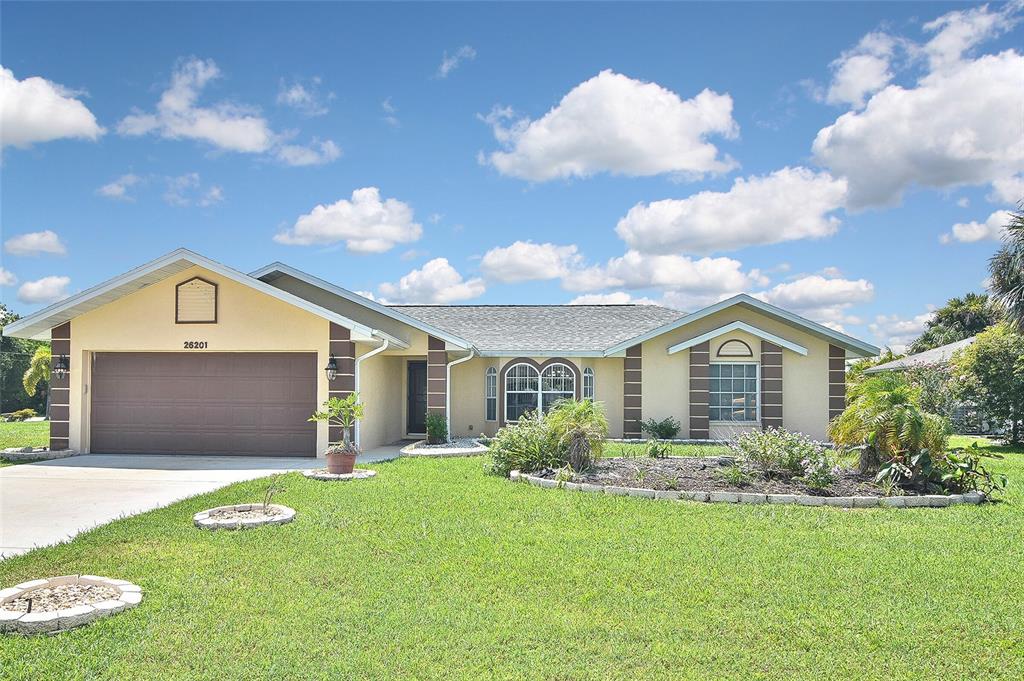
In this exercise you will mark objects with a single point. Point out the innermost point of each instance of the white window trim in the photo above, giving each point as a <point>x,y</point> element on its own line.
<point>561,394</point>
<point>540,386</point>
<point>589,373</point>
<point>757,392</point>
<point>491,372</point>
<point>518,392</point>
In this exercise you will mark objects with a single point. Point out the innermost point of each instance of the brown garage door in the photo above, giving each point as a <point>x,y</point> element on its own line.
<point>204,403</point>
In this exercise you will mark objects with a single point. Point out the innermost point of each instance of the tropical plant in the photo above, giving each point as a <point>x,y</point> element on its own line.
<point>437,428</point>
<point>920,470</point>
<point>734,475</point>
<point>1006,270</point>
<point>990,373</point>
<point>965,472</point>
<point>527,445</point>
<point>958,319</point>
<point>775,451</point>
<point>343,412</point>
<point>938,393</point>
<point>38,371</point>
<point>657,449</point>
<point>581,427</point>
<point>855,370</point>
<point>15,357</point>
<point>883,417</point>
<point>665,429</point>
<point>22,414</point>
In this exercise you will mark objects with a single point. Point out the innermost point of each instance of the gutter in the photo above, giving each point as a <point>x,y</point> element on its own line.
<point>359,360</point>
<point>448,389</point>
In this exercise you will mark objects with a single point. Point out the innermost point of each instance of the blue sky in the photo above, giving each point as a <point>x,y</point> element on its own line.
<point>849,162</point>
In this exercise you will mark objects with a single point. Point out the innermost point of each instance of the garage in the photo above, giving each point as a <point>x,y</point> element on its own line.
<point>208,403</point>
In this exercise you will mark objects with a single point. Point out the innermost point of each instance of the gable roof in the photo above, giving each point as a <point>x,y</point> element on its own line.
<point>542,330</point>
<point>849,343</point>
<point>38,325</point>
<point>738,326</point>
<point>933,357</point>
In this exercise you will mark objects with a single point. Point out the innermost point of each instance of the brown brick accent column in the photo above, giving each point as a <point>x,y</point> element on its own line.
<point>632,391</point>
<point>700,372</point>
<point>60,389</point>
<point>344,384</point>
<point>771,385</point>
<point>437,381</point>
<point>836,381</point>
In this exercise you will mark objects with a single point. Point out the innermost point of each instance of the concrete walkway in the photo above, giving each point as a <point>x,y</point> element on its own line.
<point>51,501</point>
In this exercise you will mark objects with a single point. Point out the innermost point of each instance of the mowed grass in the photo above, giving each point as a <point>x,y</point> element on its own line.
<point>23,434</point>
<point>615,449</point>
<point>436,570</point>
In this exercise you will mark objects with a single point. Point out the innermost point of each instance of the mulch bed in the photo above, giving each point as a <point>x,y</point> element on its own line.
<point>60,597</point>
<point>695,474</point>
<point>251,514</point>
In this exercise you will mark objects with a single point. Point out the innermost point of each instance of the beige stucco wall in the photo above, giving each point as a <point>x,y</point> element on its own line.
<point>248,321</point>
<point>382,395</point>
<point>805,378</point>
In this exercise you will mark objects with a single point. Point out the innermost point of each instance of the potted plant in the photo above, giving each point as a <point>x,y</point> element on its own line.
<point>344,412</point>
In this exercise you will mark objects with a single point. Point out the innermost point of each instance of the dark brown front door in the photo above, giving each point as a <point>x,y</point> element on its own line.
<point>416,405</point>
<point>204,403</point>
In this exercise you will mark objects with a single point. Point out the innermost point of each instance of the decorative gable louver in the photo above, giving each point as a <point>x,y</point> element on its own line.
<point>195,302</point>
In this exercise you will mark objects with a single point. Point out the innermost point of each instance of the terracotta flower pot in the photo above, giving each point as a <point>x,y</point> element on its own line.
<point>341,463</point>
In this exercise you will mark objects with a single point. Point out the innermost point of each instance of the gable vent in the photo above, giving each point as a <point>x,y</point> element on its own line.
<point>196,302</point>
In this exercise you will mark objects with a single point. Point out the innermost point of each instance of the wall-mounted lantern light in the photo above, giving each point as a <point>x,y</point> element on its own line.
<point>331,368</point>
<point>61,366</point>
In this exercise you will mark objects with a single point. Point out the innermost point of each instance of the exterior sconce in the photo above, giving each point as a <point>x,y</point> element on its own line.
<point>61,366</point>
<point>332,368</point>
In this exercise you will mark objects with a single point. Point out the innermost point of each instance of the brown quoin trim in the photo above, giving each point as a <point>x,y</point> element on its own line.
<point>836,381</point>
<point>632,391</point>
<point>700,370</point>
<point>771,385</point>
<point>344,384</point>
<point>60,389</point>
<point>577,378</point>
<point>437,376</point>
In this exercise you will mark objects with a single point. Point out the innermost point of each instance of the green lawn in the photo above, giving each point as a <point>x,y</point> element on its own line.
<point>22,434</point>
<point>434,569</point>
<point>613,449</point>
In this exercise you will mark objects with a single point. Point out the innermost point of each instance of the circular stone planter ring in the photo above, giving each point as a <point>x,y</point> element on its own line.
<point>322,474</point>
<point>108,597</point>
<point>242,517</point>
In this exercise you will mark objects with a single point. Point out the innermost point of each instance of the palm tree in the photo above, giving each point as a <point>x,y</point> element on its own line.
<point>1006,270</point>
<point>582,427</point>
<point>883,415</point>
<point>38,371</point>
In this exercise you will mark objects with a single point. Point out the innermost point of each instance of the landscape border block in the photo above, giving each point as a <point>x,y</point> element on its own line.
<point>55,621</point>
<point>207,520</point>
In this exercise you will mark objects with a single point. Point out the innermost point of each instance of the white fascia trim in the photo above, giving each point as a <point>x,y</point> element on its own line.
<point>198,260</point>
<point>738,326</point>
<point>860,348</point>
<point>314,280</point>
<point>541,353</point>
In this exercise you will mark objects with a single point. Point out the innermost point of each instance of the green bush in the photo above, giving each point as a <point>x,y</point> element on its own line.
<point>776,451</point>
<point>820,470</point>
<point>656,449</point>
<point>528,445</point>
<point>965,473</point>
<point>665,429</point>
<point>22,414</point>
<point>581,428</point>
<point>437,428</point>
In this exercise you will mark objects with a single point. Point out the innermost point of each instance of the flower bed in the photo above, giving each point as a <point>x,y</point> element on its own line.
<point>459,447</point>
<point>243,516</point>
<point>49,606</point>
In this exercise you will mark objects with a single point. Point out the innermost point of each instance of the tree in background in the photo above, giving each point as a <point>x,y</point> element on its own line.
<point>15,357</point>
<point>1006,270</point>
<point>990,372</point>
<point>855,370</point>
<point>958,319</point>
<point>38,372</point>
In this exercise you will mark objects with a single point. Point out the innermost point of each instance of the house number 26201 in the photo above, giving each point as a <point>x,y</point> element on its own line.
<point>196,345</point>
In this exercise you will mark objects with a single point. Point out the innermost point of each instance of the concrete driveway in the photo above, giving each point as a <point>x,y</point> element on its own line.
<point>51,501</point>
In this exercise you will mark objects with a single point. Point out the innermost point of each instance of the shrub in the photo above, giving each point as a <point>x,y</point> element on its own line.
<point>820,471</point>
<point>964,472</point>
<point>734,475</point>
<point>437,428</point>
<point>580,427</point>
<point>528,445</point>
<point>22,414</point>
<point>665,429</point>
<point>657,449</point>
<point>776,451</point>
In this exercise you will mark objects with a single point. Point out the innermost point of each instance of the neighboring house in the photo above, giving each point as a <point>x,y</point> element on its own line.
<point>939,356</point>
<point>185,355</point>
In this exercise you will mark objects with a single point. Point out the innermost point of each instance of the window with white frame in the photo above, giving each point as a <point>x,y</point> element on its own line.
<point>491,393</point>
<point>526,389</point>
<point>732,392</point>
<point>588,384</point>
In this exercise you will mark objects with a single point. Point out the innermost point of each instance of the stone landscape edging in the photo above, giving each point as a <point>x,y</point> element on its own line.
<point>207,520</point>
<point>415,449</point>
<point>35,454</point>
<point>56,621</point>
<point>322,474</point>
<point>727,497</point>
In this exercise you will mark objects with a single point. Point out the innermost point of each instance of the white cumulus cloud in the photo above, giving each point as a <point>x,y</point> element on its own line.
<point>823,298</point>
<point>304,97</point>
<point>957,32</point>
<point>188,190</point>
<point>366,223</point>
<point>861,71</point>
<point>38,110</point>
<point>788,204</point>
<point>969,232</point>
<point>1008,190</point>
<point>529,261</point>
<point>613,298</point>
<point>35,243</point>
<point>616,124</point>
<point>315,154</point>
<point>896,331</point>
<point>436,282</point>
<point>7,278</point>
<point>450,62</point>
<point>119,189</point>
<point>45,290</point>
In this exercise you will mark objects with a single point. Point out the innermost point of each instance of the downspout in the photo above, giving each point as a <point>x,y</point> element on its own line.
<point>359,360</point>
<point>448,390</point>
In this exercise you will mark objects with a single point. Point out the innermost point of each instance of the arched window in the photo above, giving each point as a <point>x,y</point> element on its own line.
<point>522,391</point>
<point>557,382</point>
<point>491,393</point>
<point>588,384</point>
<point>734,348</point>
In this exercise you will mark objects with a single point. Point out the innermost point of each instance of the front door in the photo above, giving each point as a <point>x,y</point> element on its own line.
<point>416,401</point>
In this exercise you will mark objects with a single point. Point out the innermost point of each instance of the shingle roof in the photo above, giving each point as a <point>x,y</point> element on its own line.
<point>933,357</point>
<point>525,329</point>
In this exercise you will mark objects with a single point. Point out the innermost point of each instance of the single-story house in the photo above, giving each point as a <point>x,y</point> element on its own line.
<point>936,357</point>
<point>185,355</point>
